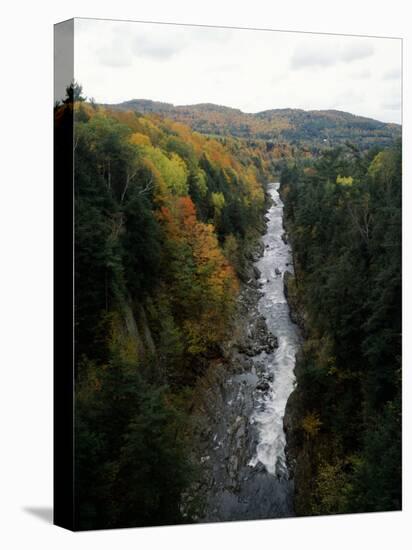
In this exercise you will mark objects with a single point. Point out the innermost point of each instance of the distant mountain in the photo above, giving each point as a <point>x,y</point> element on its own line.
<point>308,129</point>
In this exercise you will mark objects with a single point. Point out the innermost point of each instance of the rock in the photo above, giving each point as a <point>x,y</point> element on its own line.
<point>259,467</point>
<point>256,272</point>
<point>241,431</point>
<point>258,340</point>
<point>271,343</point>
<point>286,276</point>
<point>263,386</point>
<point>261,325</point>
<point>277,271</point>
<point>284,238</point>
<point>233,466</point>
<point>296,312</point>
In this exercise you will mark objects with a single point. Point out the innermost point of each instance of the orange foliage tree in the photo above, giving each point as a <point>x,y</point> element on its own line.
<point>203,284</point>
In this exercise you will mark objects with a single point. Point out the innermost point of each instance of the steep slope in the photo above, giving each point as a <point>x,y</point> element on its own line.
<point>164,218</point>
<point>343,421</point>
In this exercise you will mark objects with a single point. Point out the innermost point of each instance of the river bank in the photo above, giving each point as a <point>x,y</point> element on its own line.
<point>298,449</point>
<point>239,437</point>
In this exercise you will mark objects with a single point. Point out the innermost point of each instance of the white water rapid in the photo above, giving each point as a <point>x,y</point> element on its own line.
<point>270,407</point>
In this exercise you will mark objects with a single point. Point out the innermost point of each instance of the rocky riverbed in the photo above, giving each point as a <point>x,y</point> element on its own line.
<point>239,437</point>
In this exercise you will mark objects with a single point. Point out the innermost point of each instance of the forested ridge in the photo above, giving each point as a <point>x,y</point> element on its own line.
<point>289,132</point>
<point>343,216</point>
<point>163,216</point>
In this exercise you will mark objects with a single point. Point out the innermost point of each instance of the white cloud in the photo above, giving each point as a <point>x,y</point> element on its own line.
<point>309,54</point>
<point>321,51</point>
<point>393,74</point>
<point>360,75</point>
<point>347,97</point>
<point>392,106</point>
<point>160,47</point>
<point>114,54</point>
<point>357,50</point>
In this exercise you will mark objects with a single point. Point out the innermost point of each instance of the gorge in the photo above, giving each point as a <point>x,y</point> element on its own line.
<point>243,445</point>
<point>185,343</point>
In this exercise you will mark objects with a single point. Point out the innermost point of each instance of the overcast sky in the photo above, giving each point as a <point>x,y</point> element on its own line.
<point>247,69</point>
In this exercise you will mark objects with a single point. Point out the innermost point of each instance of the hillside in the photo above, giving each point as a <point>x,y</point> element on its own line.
<point>164,222</point>
<point>312,130</point>
<point>344,218</point>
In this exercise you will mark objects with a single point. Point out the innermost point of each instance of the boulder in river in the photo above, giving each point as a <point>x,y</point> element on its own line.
<point>271,343</point>
<point>259,339</point>
<point>263,386</point>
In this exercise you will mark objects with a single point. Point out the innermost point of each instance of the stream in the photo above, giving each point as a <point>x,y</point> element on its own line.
<point>279,365</point>
<point>244,443</point>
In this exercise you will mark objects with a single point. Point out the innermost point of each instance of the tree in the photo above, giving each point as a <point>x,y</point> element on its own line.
<point>74,93</point>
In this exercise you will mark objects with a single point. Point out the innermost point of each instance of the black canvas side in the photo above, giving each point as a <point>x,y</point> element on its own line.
<point>64,513</point>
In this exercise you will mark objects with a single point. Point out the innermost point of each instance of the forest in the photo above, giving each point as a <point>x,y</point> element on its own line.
<point>290,132</point>
<point>162,218</point>
<point>165,216</point>
<point>343,216</point>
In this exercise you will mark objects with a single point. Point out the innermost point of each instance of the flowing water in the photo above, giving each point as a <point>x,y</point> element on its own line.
<point>248,472</point>
<point>268,415</point>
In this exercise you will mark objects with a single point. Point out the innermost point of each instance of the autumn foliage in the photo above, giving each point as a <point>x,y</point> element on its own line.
<point>207,286</point>
<point>162,215</point>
